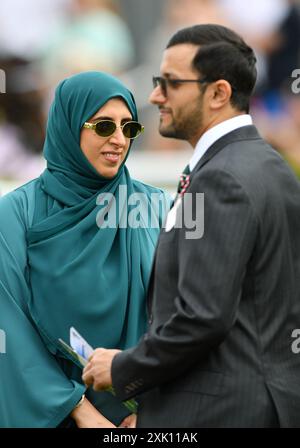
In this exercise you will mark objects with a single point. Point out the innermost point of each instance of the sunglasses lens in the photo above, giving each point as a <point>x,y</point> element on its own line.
<point>163,86</point>
<point>161,82</point>
<point>132,129</point>
<point>105,128</point>
<point>155,81</point>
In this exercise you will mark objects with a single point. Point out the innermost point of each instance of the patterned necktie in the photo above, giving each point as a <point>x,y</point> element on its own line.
<point>184,181</point>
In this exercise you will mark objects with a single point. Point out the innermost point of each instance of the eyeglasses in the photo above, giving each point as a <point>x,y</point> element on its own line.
<point>163,83</point>
<point>106,128</point>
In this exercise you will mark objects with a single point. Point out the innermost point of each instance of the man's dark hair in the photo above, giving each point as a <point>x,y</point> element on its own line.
<point>223,54</point>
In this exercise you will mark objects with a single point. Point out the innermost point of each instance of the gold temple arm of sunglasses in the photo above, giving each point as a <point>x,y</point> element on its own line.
<point>89,125</point>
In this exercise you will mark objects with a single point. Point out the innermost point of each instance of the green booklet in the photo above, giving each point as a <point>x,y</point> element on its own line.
<point>74,355</point>
<point>80,352</point>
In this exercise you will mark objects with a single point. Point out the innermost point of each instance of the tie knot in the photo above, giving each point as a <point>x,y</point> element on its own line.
<point>186,170</point>
<point>184,181</point>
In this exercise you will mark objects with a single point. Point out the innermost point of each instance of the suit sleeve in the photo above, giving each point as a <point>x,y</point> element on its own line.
<point>209,285</point>
<point>34,390</point>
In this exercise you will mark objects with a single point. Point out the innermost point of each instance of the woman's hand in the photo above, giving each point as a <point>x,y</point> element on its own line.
<point>87,416</point>
<point>128,422</point>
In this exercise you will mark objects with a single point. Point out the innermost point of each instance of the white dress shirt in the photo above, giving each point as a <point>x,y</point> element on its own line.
<point>216,132</point>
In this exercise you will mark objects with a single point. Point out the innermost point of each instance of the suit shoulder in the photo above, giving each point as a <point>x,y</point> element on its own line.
<point>252,162</point>
<point>246,156</point>
<point>255,169</point>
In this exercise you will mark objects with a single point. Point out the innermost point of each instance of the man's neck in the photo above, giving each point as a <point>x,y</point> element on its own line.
<point>216,132</point>
<point>214,121</point>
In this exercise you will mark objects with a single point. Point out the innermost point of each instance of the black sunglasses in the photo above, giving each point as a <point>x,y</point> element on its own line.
<point>163,83</point>
<point>105,128</point>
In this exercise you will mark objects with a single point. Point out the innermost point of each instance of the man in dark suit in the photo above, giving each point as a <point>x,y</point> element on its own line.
<point>223,305</point>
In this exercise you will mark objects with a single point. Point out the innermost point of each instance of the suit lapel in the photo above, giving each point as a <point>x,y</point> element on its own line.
<point>244,133</point>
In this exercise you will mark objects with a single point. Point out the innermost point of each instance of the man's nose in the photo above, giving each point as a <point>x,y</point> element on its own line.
<point>157,96</point>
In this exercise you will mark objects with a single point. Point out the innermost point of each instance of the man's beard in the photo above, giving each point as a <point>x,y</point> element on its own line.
<point>184,127</point>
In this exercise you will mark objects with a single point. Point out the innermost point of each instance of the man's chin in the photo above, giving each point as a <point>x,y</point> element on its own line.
<point>167,132</point>
<point>171,133</point>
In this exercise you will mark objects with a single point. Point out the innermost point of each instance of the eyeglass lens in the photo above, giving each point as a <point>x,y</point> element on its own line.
<point>105,128</point>
<point>162,83</point>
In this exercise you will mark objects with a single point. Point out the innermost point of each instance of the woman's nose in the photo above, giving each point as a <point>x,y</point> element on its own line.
<point>118,137</point>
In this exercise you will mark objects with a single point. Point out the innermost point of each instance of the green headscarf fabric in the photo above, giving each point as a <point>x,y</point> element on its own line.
<point>79,274</point>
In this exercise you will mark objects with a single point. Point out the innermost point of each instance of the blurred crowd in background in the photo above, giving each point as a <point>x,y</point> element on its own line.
<point>43,41</point>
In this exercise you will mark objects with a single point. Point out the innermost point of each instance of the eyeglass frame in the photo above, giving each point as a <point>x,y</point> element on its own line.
<point>163,82</point>
<point>88,125</point>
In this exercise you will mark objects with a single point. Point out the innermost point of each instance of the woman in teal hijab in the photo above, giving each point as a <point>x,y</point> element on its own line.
<point>76,247</point>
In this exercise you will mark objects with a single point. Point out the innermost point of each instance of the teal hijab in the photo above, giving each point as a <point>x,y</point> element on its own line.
<point>94,279</point>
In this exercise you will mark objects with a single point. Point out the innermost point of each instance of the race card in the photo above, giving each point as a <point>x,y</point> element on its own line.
<point>79,344</point>
<point>78,359</point>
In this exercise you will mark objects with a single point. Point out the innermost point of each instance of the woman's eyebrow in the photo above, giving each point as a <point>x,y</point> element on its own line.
<point>110,118</point>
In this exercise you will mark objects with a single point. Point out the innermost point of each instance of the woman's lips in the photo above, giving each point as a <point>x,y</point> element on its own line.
<point>112,157</point>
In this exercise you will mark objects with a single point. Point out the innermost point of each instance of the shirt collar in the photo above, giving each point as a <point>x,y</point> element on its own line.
<point>216,132</point>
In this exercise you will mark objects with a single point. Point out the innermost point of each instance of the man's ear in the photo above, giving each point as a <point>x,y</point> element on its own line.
<point>220,94</point>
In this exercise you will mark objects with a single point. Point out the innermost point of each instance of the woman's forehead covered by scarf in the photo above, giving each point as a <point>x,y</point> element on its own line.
<point>76,100</point>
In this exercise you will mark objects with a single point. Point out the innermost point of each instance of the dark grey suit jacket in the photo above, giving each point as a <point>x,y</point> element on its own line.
<point>223,307</point>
